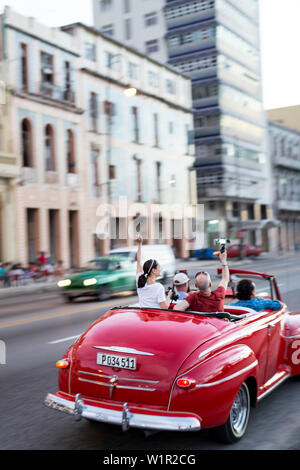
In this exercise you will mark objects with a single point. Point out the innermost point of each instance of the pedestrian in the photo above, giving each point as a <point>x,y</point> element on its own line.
<point>42,258</point>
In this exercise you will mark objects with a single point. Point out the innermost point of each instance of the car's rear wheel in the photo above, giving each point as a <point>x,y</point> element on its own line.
<point>235,427</point>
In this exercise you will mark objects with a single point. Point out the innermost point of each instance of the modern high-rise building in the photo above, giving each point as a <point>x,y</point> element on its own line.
<point>216,43</point>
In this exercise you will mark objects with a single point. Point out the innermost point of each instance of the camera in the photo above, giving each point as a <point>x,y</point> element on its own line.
<point>174,294</point>
<point>221,242</point>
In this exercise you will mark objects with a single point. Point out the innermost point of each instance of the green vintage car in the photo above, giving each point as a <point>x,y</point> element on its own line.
<point>102,278</point>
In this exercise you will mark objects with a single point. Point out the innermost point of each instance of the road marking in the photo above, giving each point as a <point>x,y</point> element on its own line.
<point>61,314</point>
<point>64,339</point>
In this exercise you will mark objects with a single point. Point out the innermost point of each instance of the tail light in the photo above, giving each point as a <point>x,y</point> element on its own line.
<point>185,382</point>
<point>62,364</point>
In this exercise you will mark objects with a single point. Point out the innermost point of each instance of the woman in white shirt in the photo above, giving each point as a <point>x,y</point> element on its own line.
<point>151,293</point>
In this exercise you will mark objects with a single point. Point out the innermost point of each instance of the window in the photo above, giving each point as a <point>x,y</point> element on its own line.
<point>171,127</point>
<point>95,154</point>
<point>126,5</point>
<point>68,93</point>
<point>47,73</point>
<point>153,79</point>
<point>24,67</point>
<point>106,5</point>
<point>90,51</point>
<point>133,71</point>
<point>151,18</point>
<point>171,87</point>
<point>152,46</point>
<point>156,131</point>
<point>134,113</point>
<point>112,61</point>
<point>108,30</point>
<point>127,24</point>
<point>49,148</point>
<point>26,131</point>
<point>112,169</point>
<point>71,168</point>
<point>189,8</point>
<point>138,162</point>
<point>235,209</point>
<point>264,214</point>
<point>93,111</point>
<point>197,64</point>
<point>158,180</point>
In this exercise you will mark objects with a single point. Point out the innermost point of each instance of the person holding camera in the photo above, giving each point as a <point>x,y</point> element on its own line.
<point>206,300</point>
<point>181,284</point>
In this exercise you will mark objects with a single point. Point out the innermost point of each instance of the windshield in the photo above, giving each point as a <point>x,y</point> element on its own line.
<point>101,265</point>
<point>125,254</point>
<point>263,286</point>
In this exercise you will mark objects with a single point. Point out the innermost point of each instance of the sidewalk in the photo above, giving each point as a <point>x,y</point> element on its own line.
<point>34,288</point>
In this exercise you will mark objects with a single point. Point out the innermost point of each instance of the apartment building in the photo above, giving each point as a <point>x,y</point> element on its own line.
<point>83,141</point>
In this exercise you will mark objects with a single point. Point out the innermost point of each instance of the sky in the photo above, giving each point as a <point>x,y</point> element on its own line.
<point>280,39</point>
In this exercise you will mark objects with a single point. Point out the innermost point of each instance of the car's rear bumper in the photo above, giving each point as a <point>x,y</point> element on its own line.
<point>123,415</point>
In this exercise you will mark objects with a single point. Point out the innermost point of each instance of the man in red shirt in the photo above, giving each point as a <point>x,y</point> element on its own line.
<point>206,300</point>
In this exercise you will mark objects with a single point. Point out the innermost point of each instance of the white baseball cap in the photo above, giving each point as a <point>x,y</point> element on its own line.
<point>180,279</point>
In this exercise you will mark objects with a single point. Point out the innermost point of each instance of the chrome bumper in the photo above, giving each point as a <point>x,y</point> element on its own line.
<point>125,417</point>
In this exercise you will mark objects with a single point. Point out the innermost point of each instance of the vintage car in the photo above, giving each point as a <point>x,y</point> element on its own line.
<point>102,278</point>
<point>181,371</point>
<point>233,251</point>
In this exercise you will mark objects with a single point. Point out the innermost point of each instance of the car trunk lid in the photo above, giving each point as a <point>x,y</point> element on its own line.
<point>157,340</point>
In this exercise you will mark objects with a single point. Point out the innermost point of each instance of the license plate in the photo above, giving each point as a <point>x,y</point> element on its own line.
<point>121,362</point>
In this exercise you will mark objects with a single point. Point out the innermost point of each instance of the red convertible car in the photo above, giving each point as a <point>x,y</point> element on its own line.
<point>181,371</point>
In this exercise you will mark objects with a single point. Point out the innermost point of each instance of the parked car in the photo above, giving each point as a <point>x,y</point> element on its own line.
<point>233,251</point>
<point>102,278</point>
<point>162,253</point>
<point>182,371</point>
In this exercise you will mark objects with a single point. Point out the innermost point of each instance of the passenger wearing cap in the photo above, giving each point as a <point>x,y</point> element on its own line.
<point>151,293</point>
<point>206,300</point>
<point>181,283</point>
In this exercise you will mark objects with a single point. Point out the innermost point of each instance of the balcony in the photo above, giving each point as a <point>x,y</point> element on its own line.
<point>72,179</point>
<point>29,175</point>
<point>48,90</point>
<point>288,205</point>
<point>8,165</point>
<point>51,177</point>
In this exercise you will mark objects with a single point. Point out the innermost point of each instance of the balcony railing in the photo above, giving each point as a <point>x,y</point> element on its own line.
<point>48,90</point>
<point>72,179</point>
<point>29,175</point>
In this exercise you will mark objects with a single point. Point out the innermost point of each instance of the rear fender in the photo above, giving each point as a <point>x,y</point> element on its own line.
<point>292,339</point>
<point>217,382</point>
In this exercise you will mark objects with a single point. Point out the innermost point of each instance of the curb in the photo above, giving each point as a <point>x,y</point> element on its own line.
<point>11,292</point>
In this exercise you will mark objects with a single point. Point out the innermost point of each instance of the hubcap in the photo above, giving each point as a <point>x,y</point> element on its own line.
<point>240,412</point>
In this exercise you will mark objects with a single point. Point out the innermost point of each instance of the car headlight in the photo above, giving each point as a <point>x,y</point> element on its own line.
<point>64,283</point>
<point>90,282</point>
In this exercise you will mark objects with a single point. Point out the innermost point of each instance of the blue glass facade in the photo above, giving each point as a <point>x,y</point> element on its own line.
<point>216,43</point>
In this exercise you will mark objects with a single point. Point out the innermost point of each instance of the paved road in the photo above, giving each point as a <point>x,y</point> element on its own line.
<point>38,329</point>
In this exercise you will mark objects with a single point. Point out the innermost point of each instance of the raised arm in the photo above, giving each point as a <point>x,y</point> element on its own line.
<point>139,267</point>
<point>225,270</point>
